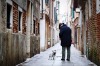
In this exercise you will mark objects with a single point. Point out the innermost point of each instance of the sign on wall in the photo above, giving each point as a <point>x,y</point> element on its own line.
<point>97,6</point>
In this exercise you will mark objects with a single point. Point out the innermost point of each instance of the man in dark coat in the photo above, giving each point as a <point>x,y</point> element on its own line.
<point>65,37</point>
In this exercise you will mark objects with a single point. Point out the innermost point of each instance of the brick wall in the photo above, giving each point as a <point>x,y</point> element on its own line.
<point>93,35</point>
<point>98,37</point>
<point>15,17</point>
<point>98,26</point>
<point>24,23</point>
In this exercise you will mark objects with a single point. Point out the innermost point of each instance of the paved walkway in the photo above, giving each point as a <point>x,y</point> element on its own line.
<point>42,59</point>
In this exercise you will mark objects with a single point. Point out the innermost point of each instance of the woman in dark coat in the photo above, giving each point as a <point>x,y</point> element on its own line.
<point>65,37</point>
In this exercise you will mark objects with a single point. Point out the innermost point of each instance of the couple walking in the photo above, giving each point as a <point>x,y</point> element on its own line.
<point>65,37</point>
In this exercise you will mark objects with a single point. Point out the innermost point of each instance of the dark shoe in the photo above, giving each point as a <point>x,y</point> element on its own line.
<point>68,59</point>
<point>63,59</point>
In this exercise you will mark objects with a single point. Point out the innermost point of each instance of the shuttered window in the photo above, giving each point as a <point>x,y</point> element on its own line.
<point>55,15</point>
<point>20,21</point>
<point>9,15</point>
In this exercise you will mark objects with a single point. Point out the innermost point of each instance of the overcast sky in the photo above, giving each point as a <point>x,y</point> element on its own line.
<point>63,6</point>
<point>63,9</point>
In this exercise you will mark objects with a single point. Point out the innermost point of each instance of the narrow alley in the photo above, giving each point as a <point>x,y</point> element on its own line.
<point>31,29</point>
<point>42,59</point>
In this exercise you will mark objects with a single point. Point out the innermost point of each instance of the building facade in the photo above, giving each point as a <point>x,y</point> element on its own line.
<point>88,29</point>
<point>46,23</point>
<point>56,20</point>
<point>33,25</point>
<point>19,35</point>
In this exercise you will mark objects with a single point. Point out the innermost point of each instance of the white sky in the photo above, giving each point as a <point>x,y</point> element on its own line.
<point>63,9</point>
<point>65,12</point>
<point>63,6</point>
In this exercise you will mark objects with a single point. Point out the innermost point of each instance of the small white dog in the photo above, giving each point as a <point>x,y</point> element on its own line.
<point>52,55</point>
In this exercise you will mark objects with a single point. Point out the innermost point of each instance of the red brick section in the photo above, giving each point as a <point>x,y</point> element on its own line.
<point>93,39</point>
<point>98,26</point>
<point>24,23</point>
<point>98,37</point>
<point>15,18</point>
<point>97,23</point>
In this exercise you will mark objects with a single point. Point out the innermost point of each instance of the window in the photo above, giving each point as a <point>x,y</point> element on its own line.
<point>9,15</point>
<point>31,27</point>
<point>55,15</point>
<point>38,29</point>
<point>20,21</point>
<point>46,1</point>
<point>98,6</point>
<point>72,12</point>
<point>34,26</point>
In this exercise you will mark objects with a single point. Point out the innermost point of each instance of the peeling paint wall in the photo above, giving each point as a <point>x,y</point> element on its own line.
<point>13,45</point>
<point>12,49</point>
<point>2,15</point>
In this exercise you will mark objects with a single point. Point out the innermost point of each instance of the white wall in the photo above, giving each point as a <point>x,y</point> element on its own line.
<point>42,34</point>
<point>28,29</point>
<point>56,34</point>
<point>42,27</point>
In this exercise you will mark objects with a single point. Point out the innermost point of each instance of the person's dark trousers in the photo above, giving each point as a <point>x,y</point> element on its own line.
<point>64,52</point>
